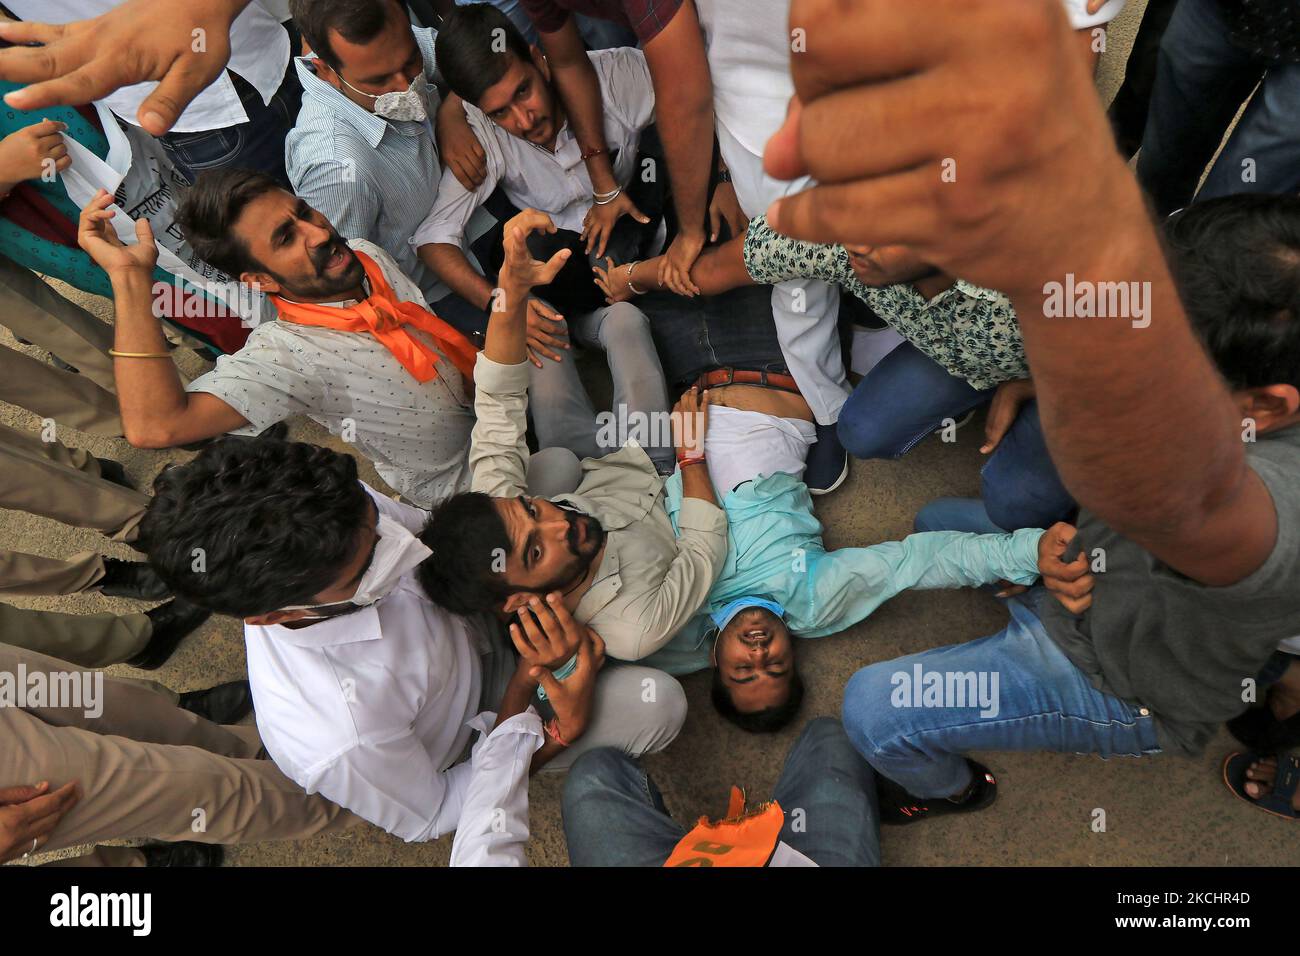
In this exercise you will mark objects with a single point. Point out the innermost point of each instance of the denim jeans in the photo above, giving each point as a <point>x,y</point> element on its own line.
<point>1030,697</point>
<point>1202,79</point>
<point>907,396</point>
<point>255,144</point>
<point>614,815</point>
<point>732,330</point>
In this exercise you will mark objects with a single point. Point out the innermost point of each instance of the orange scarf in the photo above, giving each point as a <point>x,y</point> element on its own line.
<point>384,317</point>
<point>741,839</point>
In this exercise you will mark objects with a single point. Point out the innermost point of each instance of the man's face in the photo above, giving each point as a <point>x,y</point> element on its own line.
<point>299,254</point>
<point>387,64</point>
<point>878,266</point>
<point>551,547</point>
<point>755,659</point>
<point>521,102</point>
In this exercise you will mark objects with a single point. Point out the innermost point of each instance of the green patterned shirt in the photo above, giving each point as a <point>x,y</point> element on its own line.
<point>971,332</point>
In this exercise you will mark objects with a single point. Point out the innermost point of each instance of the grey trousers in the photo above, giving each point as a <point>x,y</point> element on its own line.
<point>562,411</point>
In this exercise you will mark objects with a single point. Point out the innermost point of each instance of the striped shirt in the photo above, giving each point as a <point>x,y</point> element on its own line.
<point>372,178</point>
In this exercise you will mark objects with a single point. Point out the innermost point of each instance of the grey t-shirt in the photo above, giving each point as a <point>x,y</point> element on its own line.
<point>1183,650</point>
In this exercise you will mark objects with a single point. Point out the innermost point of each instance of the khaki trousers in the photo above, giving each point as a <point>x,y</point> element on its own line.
<point>54,481</point>
<point>147,768</point>
<point>34,311</point>
<point>22,573</point>
<point>87,640</point>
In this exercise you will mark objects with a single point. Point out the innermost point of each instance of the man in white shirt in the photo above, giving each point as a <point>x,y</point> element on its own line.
<point>363,688</point>
<point>241,117</point>
<point>532,154</point>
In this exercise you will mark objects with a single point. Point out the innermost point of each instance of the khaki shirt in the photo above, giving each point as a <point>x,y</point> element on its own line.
<point>650,581</point>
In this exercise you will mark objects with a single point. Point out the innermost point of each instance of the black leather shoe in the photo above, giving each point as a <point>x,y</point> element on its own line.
<point>223,704</point>
<point>132,579</point>
<point>171,623</point>
<point>113,471</point>
<point>182,854</point>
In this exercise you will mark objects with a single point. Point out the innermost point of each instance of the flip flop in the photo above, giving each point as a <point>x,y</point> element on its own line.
<point>1277,802</point>
<point>898,807</point>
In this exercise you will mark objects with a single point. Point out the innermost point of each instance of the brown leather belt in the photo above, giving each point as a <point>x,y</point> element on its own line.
<point>721,377</point>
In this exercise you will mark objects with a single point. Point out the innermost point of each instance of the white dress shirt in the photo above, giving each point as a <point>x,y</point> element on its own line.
<point>493,829</point>
<point>556,183</point>
<point>259,52</point>
<point>370,709</point>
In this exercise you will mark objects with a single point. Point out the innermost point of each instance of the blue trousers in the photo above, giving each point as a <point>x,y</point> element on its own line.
<point>908,395</point>
<point>1202,79</point>
<point>614,815</point>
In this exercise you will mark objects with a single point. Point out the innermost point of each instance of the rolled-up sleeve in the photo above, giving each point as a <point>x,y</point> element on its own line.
<point>493,827</point>
<point>498,453</point>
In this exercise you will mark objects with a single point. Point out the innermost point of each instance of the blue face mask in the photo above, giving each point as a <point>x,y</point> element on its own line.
<point>723,617</point>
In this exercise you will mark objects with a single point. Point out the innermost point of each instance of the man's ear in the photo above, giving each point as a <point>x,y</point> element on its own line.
<point>260,281</point>
<point>276,617</point>
<point>1269,406</point>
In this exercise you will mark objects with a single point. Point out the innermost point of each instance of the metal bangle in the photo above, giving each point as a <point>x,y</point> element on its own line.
<point>605,202</point>
<point>630,267</point>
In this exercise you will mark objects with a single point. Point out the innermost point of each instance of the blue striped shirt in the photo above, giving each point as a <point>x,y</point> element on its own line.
<point>372,178</point>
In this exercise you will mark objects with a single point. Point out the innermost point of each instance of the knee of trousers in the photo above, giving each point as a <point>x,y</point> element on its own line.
<point>595,772</point>
<point>862,435</point>
<point>874,725</point>
<point>553,471</point>
<point>665,710</point>
<point>624,326</point>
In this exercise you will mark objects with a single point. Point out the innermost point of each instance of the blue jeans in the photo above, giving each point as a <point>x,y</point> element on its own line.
<point>1202,79</point>
<point>255,144</point>
<point>614,815</point>
<point>1036,700</point>
<point>907,396</point>
<point>732,330</point>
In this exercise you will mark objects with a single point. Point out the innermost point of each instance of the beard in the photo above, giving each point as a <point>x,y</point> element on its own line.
<point>323,287</point>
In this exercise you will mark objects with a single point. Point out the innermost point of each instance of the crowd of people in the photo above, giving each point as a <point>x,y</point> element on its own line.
<point>441,205</point>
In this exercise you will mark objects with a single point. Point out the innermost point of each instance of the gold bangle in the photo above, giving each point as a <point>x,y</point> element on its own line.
<point>116,354</point>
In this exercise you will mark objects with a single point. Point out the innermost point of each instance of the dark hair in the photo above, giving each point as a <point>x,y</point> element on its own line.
<point>1236,263</point>
<point>766,721</point>
<point>276,523</point>
<point>468,53</point>
<point>208,213</point>
<point>469,541</point>
<point>357,21</point>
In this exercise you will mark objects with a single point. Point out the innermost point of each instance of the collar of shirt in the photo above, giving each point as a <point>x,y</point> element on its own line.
<point>368,124</point>
<point>351,628</point>
<point>608,581</point>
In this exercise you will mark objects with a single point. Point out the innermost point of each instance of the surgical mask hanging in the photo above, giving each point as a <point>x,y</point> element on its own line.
<point>396,552</point>
<point>411,104</point>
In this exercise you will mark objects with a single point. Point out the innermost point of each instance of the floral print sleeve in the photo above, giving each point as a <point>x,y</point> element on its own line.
<point>771,257</point>
<point>972,332</point>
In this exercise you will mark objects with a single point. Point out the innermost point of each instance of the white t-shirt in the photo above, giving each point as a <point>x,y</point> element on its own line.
<point>742,444</point>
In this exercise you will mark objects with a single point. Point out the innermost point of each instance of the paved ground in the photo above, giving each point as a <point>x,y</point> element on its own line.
<point>1166,811</point>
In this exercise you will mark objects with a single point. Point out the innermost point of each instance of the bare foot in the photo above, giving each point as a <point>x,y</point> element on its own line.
<point>1259,780</point>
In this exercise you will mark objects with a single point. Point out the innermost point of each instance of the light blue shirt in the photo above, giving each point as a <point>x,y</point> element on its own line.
<point>775,551</point>
<point>372,178</point>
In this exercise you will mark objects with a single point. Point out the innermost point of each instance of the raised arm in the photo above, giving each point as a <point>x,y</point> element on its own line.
<point>1032,193</point>
<point>157,412</point>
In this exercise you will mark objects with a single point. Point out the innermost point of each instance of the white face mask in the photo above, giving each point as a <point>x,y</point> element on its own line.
<point>410,104</point>
<point>396,552</point>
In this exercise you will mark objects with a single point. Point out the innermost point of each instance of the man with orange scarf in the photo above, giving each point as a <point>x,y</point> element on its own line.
<point>353,347</point>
